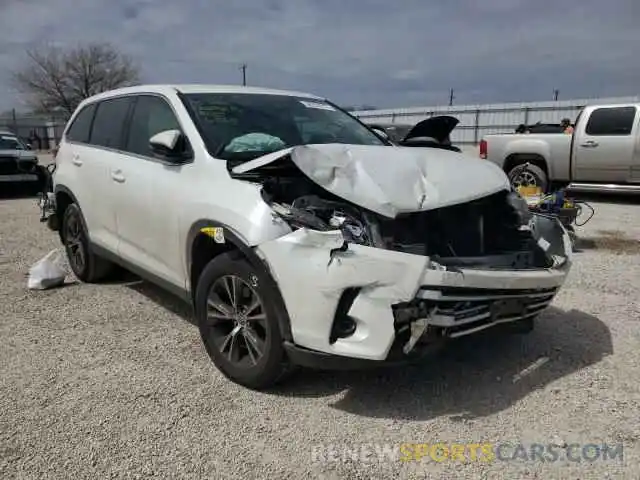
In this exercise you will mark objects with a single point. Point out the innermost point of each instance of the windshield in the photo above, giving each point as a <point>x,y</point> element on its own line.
<point>8,142</point>
<point>241,126</point>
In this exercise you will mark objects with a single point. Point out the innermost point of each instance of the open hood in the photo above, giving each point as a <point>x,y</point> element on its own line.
<point>391,180</point>
<point>435,127</point>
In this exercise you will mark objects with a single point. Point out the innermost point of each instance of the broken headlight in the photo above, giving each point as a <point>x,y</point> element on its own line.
<point>352,229</point>
<point>521,207</point>
<point>298,218</point>
<point>323,215</point>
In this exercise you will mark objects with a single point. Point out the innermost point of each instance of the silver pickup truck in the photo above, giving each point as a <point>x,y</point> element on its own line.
<point>603,153</point>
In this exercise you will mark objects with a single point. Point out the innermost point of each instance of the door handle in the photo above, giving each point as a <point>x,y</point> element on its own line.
<point>589,144</point>
<point>76,160</point>
<point>117,176</point>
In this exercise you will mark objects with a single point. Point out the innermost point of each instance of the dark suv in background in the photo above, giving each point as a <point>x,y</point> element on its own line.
<point>18,163</point>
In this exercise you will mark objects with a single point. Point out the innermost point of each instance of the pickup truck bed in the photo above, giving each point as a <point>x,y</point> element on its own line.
<point>602,155</point>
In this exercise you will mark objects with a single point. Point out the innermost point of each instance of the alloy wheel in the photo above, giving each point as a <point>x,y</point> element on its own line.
<point>525,179</point>
<point>74,237</point>
<point>237,320</point>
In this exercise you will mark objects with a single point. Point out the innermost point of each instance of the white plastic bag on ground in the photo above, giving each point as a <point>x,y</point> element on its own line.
<point>48,272</point>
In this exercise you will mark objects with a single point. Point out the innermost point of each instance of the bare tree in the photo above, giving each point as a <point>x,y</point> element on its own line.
<point>58,79</point>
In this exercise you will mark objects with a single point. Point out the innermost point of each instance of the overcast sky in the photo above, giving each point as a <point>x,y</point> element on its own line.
<point>380,52</point>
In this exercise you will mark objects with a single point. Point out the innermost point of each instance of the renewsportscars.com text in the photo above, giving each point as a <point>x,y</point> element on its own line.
<point>468,452</point>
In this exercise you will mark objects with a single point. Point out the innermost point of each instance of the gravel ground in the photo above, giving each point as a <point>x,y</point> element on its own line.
<point>111,381</point>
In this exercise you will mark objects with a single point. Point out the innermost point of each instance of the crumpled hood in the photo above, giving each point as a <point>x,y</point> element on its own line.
<point>392,180</point>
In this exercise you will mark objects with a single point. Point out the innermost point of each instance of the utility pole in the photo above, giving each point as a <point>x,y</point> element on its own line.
<point>451,97</point>
<point>244,74</point>
<point>555,95</point>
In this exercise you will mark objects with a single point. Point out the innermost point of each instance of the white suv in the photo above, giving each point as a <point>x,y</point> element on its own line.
<point>300,236</point>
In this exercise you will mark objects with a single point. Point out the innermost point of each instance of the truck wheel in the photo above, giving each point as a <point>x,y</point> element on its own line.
<point>238,323</point>
<point>86,265</point>
<point>533,176</point>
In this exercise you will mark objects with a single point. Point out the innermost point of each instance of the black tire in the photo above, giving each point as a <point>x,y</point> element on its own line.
<point>86,265</point>
<point>253,371</point>
<point>33,189</point>
<point>536,174</point>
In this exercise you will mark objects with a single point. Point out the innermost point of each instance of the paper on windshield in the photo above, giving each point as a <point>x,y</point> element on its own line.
<point>320,106</point>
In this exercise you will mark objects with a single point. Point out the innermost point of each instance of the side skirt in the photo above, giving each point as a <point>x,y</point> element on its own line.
<point>181,293</point>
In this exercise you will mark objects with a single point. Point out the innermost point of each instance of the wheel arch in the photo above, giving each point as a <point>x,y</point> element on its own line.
<point>536,159</point>
<point>65,197</point>
<point>201,248</point>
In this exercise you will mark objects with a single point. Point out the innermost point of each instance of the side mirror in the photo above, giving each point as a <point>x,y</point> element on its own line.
<point>170,145</point>
<point>28,146</point>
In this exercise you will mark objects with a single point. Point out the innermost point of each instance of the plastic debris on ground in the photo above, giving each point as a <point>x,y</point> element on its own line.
<point>48,272</point>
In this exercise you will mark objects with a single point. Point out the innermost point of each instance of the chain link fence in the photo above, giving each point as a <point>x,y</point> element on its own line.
<point>479,120</point>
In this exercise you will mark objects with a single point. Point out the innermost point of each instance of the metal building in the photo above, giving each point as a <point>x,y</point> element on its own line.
<point>479,120</point>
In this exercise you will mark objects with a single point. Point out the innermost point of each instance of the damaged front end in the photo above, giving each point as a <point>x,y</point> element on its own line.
<point>386,284</point>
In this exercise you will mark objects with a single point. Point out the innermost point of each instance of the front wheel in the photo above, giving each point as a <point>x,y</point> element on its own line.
<point>238,323</point>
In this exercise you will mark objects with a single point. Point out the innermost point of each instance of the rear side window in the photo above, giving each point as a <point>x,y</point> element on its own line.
<point>80,129</point>
<point>151,115</point>
<point>611,121</point>
<point>108,124</point>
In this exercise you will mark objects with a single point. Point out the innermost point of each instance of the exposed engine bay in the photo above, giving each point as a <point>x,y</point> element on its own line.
<point>492,232</point>
<point>453,253</point>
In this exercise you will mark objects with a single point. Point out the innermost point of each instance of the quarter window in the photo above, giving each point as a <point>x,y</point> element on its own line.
<point>151,115</point>
<point>611,121</point>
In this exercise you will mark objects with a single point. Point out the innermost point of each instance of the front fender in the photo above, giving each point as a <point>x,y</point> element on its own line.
<point>230,236</point>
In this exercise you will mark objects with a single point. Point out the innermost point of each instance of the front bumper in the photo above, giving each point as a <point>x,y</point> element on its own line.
<point>382,295</point>
<point>19,178</point>
<point>15,170</point>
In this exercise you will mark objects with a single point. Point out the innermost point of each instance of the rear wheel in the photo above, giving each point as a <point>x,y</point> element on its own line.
<point>532,176</point>
<point>85,264</point>
<point>238,322</point>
